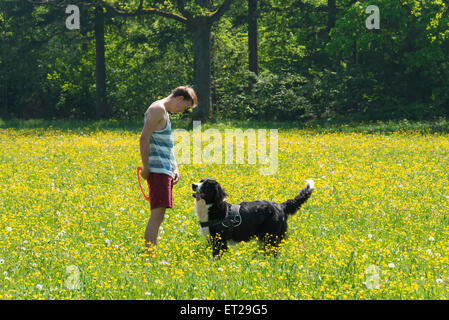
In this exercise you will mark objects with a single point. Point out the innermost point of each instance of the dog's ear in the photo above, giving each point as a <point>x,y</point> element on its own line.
<point>220,194</point>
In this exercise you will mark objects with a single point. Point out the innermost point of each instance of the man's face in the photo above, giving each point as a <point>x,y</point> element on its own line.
<point>182,105</point>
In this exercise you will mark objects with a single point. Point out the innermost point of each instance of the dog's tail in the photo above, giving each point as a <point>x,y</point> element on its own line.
<point>292,205</point>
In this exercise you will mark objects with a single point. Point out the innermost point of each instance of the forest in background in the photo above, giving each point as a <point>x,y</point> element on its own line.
<point>310,59</point>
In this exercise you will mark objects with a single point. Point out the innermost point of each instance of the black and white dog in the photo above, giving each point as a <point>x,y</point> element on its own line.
<point>222,222</point>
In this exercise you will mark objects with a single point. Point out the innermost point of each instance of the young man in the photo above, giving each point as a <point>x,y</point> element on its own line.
<point>159,166</point>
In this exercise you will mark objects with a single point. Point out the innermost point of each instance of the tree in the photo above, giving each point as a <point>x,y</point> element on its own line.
<point>332,14</point>
<point>252,37</point>
<point>19,82</point>
<point>198,16</point>
<point>100,63</point>
<point>101,107</point>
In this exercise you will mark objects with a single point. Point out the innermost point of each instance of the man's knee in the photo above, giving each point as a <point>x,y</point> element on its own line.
<point>157,214</point>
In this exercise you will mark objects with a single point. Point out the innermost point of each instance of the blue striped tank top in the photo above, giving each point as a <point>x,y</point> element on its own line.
<point>162,156</point>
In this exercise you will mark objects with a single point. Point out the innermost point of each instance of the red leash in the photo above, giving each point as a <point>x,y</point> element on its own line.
<point>138,178</point>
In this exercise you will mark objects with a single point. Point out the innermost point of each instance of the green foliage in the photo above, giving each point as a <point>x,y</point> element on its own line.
<point>405,61</point>
<point>155,57</point>
<point>306,72</point>
<point>271,97</point>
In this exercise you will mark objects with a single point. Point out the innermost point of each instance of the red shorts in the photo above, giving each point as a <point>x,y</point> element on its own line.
<point>161,187</point>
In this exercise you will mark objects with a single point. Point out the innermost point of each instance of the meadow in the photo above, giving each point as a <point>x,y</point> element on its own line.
<point>72,217</point>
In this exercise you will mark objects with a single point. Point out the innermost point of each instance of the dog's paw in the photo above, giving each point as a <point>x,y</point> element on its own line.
<point>310,184</point>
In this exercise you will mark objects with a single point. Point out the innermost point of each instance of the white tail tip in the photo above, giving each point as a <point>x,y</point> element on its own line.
<point>310,184</point>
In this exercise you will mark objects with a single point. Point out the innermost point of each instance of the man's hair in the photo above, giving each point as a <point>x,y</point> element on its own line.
<point>187,93</point>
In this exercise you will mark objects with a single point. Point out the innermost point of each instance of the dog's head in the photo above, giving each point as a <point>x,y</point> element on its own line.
<point>209,190</point>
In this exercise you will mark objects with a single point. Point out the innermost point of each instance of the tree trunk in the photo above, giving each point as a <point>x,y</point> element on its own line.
<point>5,94</point>
<point>201,73</point>
<point>356,52</point>
<point>213,69</point>
<point>100,70</point>
<point>86,107</point>
<point>4,69</point>
<point>252,37</point>
<point>331,14</point>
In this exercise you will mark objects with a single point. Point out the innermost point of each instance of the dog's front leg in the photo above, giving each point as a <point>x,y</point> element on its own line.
<point>219,245</point>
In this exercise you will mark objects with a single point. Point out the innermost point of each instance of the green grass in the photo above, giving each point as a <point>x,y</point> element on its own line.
<point>71,208</point>
<point>438,125</point>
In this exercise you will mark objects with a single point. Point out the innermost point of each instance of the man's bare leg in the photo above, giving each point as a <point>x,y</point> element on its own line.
<point>152,229</point>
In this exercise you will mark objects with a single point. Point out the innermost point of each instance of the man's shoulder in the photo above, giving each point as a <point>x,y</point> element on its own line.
<point>156,109</point>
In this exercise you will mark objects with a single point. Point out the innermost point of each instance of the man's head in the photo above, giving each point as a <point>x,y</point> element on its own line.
<point>183,99</point>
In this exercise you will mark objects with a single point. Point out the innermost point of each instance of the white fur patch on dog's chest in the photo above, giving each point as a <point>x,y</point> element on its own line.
<point>202,213</point>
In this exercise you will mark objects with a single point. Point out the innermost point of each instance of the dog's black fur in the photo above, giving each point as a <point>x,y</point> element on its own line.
<point>265,220</point>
